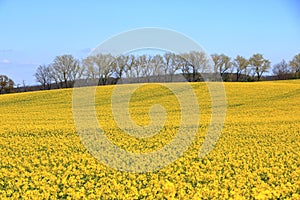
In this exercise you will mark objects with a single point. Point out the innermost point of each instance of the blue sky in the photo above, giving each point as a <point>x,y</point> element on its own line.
<point>34,32</point>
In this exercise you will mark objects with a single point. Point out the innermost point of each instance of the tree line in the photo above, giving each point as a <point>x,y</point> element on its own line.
<point>108,69</point>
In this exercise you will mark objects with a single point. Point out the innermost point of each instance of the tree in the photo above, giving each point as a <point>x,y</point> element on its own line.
<point>259,64</point>
<point>24,86</point>
<point>43,76</point>
<point>184,65</point>
<point>157,63</point>
<point>144,63</point>
<point>54,76</point>
<point>168,63</point>
<point>105,67</point>
<point>119,66</point>
<point>99,67</point>
<point>135,70</point>
<point>240,63</point>
<point>222,63</point>
<point>281,70</point>
<point>198,63</point>
<point>129,67</point>
<point>6,84</point>
<point>191,64</point>
<point>295,65</point>
<point>90,70</point>
<point>66,69</point>
<point>170,66</point>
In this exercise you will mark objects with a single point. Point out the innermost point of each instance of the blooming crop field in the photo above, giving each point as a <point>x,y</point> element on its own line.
<point>256,157</point>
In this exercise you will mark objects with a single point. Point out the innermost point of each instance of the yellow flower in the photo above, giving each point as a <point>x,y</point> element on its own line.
<point>256,156</point>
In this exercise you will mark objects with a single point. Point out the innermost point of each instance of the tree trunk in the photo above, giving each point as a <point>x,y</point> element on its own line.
<point>237,76</point>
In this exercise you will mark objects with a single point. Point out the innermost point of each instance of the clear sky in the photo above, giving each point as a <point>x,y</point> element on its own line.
<point>34,32</point>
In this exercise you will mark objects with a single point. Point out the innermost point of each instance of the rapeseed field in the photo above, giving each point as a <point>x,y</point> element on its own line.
<point>256,157</point>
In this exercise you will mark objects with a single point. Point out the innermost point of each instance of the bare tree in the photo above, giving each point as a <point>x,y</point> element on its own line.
<point>198,63</point>
<point>259,64</point>
<point>295,65</point>
<point>105,67</point>
<point>99,67</point>
<point>281,70</point>
<point>24,86</point>
<point>145,64</point>
<point>75,72</point>
<point>171,64</point>
<point>129,67</point>
<point>55,76</point>
<point>90,70</point>
<point>240,64</point>
<point>66,69</point>
<point>168,58</point>
<point>221,63</point>
<point>184,65</point>
<point>119,66</point>
<point>157,64</point>
<point>43,76</point>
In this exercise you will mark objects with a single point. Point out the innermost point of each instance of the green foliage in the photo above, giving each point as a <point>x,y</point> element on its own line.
<point>6,84</point>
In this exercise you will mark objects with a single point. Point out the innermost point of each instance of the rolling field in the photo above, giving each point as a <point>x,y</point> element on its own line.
<point>256,157</point>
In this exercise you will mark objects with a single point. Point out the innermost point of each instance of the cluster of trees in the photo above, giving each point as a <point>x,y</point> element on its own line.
<point>6,84</point>
<point>107,69</point>
<point>62,72</point>
<point>252,69</point>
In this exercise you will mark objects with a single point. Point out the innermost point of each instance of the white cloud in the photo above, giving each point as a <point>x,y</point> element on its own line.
<point>5,61</point>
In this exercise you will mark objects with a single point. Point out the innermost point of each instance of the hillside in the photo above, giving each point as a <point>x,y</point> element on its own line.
<point>257,155</point>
